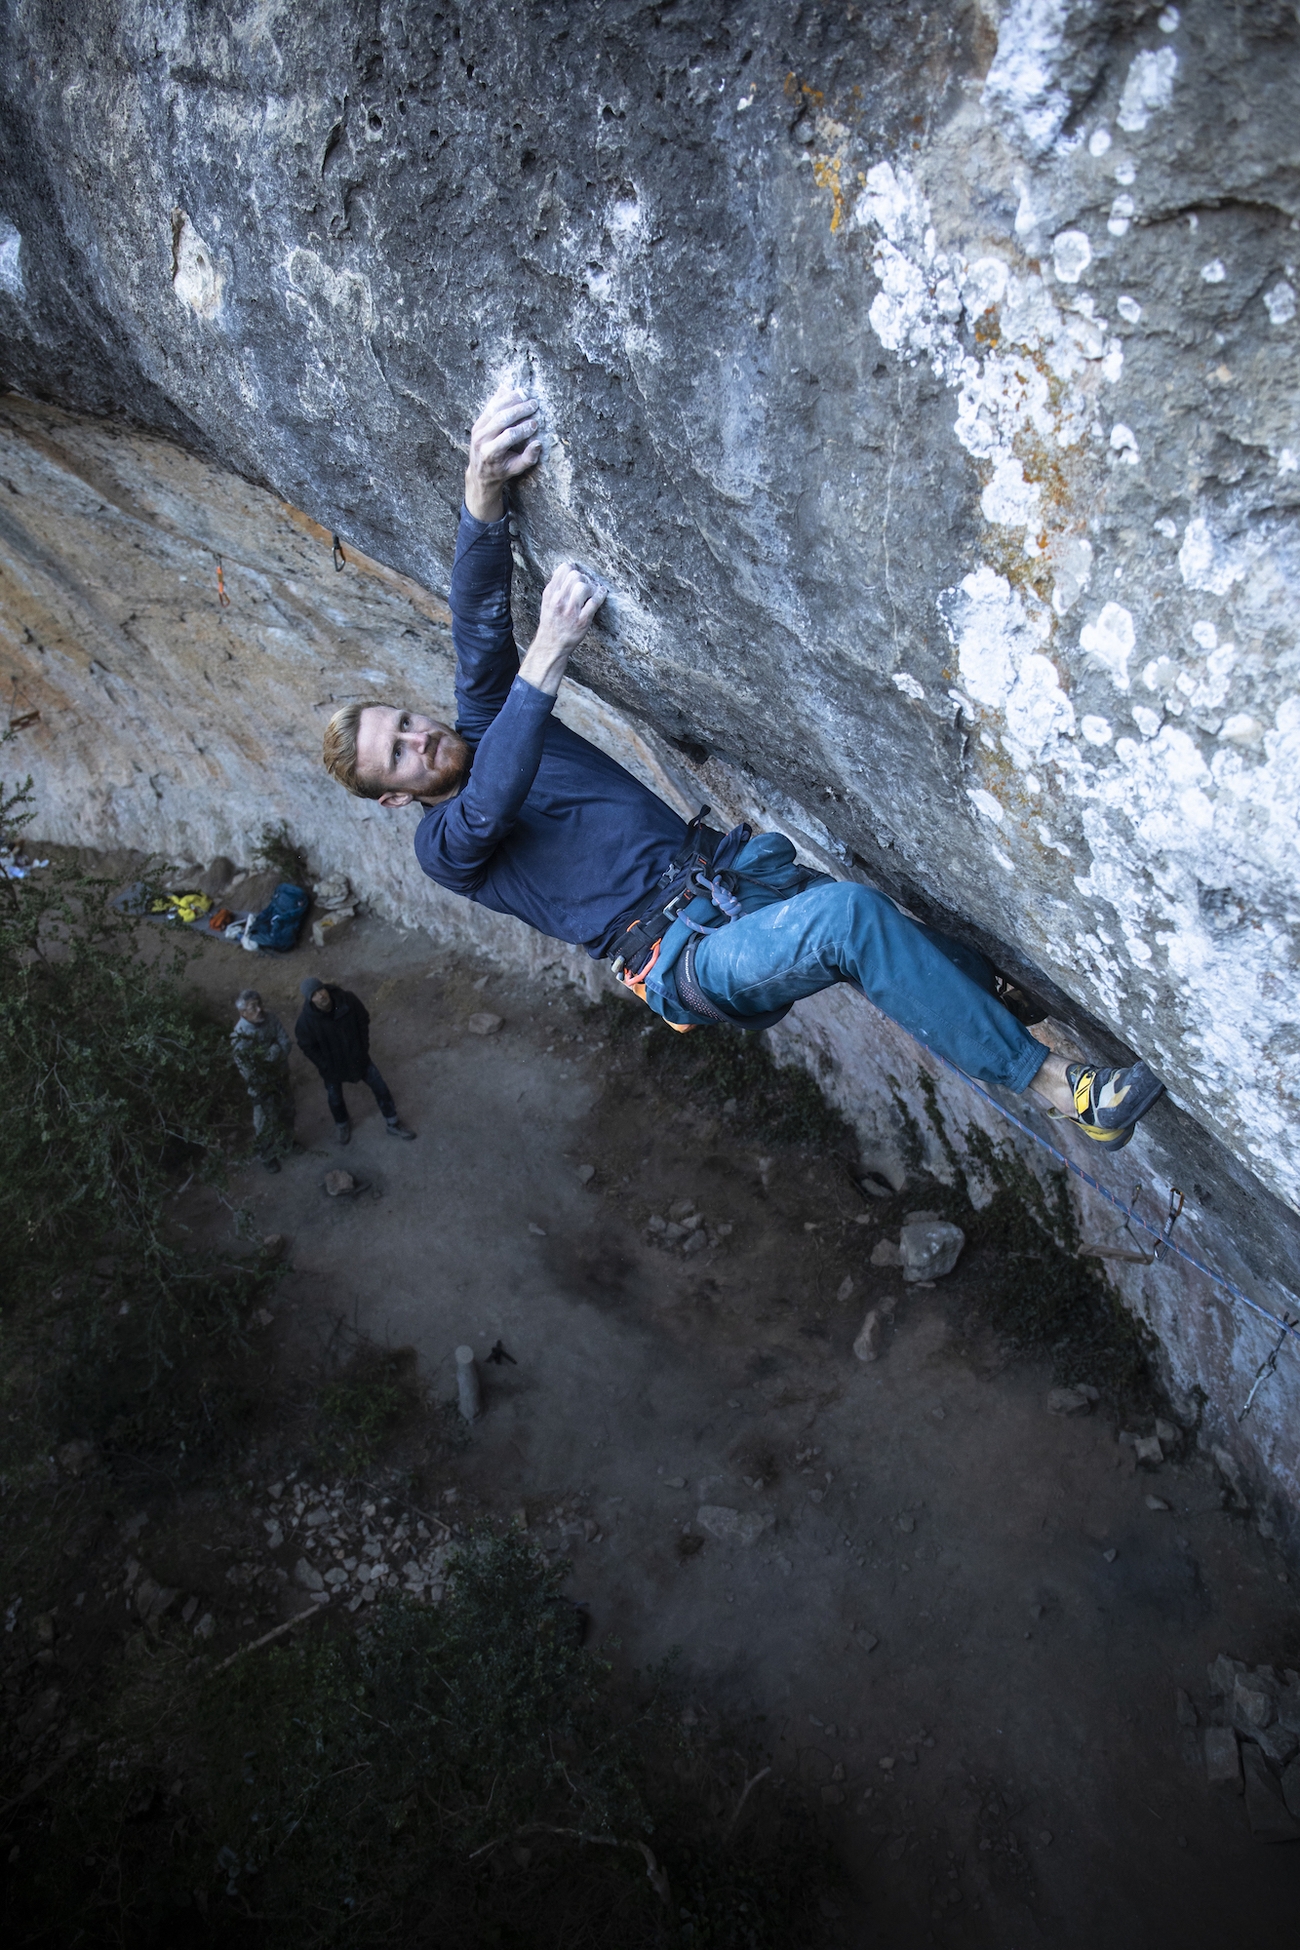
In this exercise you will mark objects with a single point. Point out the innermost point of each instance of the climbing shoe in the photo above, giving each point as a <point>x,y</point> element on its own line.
<point>396,1129</point>
<point>343,1132</point>
<point>1108,1103</point>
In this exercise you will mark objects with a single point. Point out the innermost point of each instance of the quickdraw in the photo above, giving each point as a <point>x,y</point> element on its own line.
<point>222,597</point>
<point>340,560</point>
<point>1135,1252</point>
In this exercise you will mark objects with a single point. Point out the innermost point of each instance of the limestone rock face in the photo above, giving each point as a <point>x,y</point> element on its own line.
<point>924,381</point>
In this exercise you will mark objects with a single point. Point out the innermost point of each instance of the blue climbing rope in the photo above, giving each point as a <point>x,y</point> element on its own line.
<point>1285,1327</point>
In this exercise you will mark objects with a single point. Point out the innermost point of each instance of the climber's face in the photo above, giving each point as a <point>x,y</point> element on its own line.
<point>410,756</point>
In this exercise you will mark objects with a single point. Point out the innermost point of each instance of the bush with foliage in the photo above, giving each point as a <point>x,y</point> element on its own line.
<point>464,1774</point>
<point>117,1086</point>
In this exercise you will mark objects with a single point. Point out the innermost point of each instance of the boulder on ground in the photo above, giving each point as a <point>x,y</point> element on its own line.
<point>1252,1703</point>
<point>326,926</point>
<point>867,1345</point>
<point>929,1248</point>
<point>1222,1759</point>
<point>1069,1401</point>
<point>1266,1811</point>
<point>483,1023</point>
<point>1222,1674</point>
<point>732,1526</point>
<point>153,1599</point>
<point>331,893</point>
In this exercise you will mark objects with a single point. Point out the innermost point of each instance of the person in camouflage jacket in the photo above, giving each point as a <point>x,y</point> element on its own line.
<point>260,1045</point>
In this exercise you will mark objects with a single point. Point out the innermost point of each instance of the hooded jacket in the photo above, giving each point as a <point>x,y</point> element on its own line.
<point>337,1043</point>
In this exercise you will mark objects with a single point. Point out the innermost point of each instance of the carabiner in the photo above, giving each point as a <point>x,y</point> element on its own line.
<point>1175,1212</point>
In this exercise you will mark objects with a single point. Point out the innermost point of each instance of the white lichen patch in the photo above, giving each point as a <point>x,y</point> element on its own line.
<point>1009,499</point>
<point>985,803</point>
<point>1110,639</point>
<point>1148,88</point>
<point>1124,443</point>
<point>1071,559</point>
<point>1206,562</point>
<point>1032,393</point>
<point>11,271</point>
<point>1279,301</point>
<point>1071,255</point>
<point>1024,83</point>
<point>197,279</point>
<point>998,634</point>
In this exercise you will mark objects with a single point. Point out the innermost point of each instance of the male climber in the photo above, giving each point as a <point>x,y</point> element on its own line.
<point>526,817</point>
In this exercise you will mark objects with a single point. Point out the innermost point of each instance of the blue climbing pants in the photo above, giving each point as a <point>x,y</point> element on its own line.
<point>839,931</point>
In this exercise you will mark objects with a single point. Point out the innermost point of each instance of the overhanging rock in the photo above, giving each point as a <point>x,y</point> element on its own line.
<point>923,380</point>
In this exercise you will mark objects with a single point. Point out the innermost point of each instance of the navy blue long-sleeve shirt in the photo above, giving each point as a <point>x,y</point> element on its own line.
<point>546,827</point>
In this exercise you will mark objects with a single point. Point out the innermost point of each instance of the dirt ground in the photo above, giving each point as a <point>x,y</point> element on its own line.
<point>959,1618</point>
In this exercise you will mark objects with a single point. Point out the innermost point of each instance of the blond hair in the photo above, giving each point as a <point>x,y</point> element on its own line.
<point>339,753</point>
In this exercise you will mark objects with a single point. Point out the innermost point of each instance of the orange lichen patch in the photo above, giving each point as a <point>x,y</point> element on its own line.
<point>1005,553</point>
<point>793,86</point>
<point>826,174</point>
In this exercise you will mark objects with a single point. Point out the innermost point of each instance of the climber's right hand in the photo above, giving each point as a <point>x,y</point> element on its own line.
<point>569,604</point>
<point>502,445</point>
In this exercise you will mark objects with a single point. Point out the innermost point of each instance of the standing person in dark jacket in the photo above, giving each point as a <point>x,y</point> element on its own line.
<point>524,816</point>
<point>333,1032</point>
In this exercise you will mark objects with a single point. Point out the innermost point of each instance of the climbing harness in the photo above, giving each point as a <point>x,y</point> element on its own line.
<point>339,558</point>
<point>639,943</point>
<point>222,597</point>
<point>712,880</point>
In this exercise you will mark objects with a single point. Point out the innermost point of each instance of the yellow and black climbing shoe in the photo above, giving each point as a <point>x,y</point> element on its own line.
<point>1108,1103</point>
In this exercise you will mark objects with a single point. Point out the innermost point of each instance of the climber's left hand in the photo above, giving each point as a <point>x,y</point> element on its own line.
<point>503,444</point>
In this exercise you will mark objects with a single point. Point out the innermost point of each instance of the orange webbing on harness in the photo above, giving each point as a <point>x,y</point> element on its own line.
<point>637,985</point>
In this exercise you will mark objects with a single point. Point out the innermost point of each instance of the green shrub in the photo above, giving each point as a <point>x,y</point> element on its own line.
<point>281,854</point>
<point>118,1087</point>
<point>462,1775</point>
